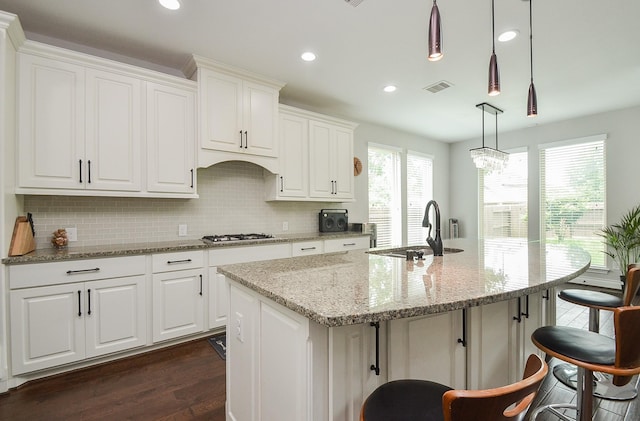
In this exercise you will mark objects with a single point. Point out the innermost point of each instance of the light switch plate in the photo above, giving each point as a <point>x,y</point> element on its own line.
<point>72,234</point>
<point>182,230</point>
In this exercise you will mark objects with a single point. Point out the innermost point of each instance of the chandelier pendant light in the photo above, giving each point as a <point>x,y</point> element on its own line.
<point>532,99</point>
<point>486,158</point>
<point>435,36</point>
<point>494,73</point>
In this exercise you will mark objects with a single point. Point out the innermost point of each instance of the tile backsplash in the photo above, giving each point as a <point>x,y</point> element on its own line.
<point>231,201</point>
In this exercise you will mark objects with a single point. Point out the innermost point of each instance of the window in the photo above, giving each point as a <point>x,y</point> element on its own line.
<point>572,194</point>
<point>419,192</point>
<point>503,199</point>
<point>384,194</point>
<point>390,194</point>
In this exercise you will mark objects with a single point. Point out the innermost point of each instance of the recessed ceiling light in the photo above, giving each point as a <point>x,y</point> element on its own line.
<point>389,88</point>
<point>508,35</point>
<point>308,56</point>
<point>170,4</point>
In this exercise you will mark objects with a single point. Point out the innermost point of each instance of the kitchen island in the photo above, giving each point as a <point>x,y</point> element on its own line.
<point>303,333</point>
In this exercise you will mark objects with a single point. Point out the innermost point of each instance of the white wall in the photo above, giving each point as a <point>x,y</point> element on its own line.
<point>623,171</point>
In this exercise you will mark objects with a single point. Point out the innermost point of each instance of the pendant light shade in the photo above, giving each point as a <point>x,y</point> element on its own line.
<point>494,73</point>
<point>532,99</point>
<point>435,37</point>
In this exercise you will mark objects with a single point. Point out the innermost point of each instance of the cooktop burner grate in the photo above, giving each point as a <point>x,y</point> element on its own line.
<point>235,237</point>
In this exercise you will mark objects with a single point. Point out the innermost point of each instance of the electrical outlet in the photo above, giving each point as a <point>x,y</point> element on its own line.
<point>72,234</point>
<point>239,328</point>
<point>182,230</point>
<point>285,226</point>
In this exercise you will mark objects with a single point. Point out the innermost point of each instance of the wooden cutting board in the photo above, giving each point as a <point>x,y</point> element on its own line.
<point>22,241</point>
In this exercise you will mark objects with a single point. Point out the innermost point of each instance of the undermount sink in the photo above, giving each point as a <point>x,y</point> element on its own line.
<point>401,252</point>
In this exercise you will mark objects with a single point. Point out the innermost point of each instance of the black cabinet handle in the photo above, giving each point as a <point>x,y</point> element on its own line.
<point>348,244</point>
<point>89,302</point>
<point>376,367</point>
<point>191,177</point>
<point>76,272</point>
<point>240,139</point>
<point>307,248</point>
<point>174,262</point>
<point>546,295</point>
<point>519,316</point>
<point>79,303</point>
<point>463,340</point>
<point>89,171</point>
<point>281,184</point>
<point>80,169</point>
<point>200,285</point>
<point>335,188</point>
<point>526,307</point>
<point>246,139</point>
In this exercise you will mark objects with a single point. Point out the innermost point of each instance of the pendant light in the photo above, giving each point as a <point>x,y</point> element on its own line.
<point>435,37</point>
<point>494,73</point>
<point>532,99</point>
<point>486,158</point>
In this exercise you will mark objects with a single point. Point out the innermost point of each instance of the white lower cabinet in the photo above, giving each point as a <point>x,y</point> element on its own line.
<point>218,299</point>
<point>179,294</point>
<point>428,348</point>
<point>60,324</point>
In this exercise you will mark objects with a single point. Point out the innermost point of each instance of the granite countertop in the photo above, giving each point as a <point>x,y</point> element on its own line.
<point>358,287</point>
<point>75,253</point>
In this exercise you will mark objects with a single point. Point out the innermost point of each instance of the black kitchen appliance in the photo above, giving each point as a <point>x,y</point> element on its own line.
<point>333,220</point>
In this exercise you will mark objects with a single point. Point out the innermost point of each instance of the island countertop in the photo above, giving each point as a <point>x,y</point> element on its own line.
<point>358,287</point>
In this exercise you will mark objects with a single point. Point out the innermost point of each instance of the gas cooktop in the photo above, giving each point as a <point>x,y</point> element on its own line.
<point>235,237</point>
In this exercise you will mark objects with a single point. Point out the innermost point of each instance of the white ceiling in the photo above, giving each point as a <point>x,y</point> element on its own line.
<point>586,52</point>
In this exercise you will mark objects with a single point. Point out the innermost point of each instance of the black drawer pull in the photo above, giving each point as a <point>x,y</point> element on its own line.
<point>174,262</point>
<point>76,272</point>
<point>349,244</point>
<point>307,248</point>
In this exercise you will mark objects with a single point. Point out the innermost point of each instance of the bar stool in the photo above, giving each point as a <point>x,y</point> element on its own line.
<point>596,301</point>
<point>410,400</point>
<point>591,351</point>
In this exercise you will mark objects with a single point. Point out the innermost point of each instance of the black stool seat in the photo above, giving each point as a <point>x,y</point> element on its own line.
<point>591,298</point>
<point>578,344</point>
<point>406,400</point>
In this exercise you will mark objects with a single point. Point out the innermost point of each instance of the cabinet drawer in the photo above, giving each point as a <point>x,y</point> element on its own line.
<point>180,260</point>
<point>231,255</point>
<point>307,248</point>
<point>345,244</point>
<point>55,273</point>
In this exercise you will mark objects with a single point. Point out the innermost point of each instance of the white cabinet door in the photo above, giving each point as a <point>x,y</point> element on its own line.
<point>178,307</point>
<point>222,112</point>
<point>427,347</point>
<point>47,327</point>
<point>116,316</point>
<point>170,139</point>
<point>534,309</point>
<point>353,352</point>
<point>320,175</point>
<point>293,180</point>
<point>113,131</point>
<point>330,161</point>
<point>50,123</point>
<point>342,159</point>
<point>218,299</point>
<point>260,119</point>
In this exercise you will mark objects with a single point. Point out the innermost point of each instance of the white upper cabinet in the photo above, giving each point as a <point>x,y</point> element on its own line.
<point>316,158</point>
<point>83,124</point>
<point>170,139</point>
<point>113,130</point>
<point>238,114</point>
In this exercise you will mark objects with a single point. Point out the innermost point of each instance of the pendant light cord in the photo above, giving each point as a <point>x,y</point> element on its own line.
<point>493,28</point>
<point>530,40</point>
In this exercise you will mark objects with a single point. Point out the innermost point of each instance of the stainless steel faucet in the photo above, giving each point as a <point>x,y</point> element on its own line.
<point>436,245</point>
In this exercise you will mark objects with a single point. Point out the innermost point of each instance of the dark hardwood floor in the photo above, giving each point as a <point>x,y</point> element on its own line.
<point>187,382</point>
<point>184,382</point>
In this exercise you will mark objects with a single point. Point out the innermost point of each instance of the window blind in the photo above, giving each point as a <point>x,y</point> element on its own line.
<point>572,194</point>
<point>384,195</point>
<point>504,199</point>
<point>419,192</point>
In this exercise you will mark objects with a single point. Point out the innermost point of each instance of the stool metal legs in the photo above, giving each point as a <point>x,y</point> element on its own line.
<point>603,388</point>
<point>584,406</point>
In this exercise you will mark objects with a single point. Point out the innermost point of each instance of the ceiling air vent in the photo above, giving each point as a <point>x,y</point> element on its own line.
<point>354,3</point>
<point>438,86</point>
